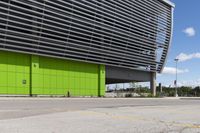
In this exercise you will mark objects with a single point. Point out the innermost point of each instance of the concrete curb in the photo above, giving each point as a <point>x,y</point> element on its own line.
<point>92,98</point>
<point>78,98</point>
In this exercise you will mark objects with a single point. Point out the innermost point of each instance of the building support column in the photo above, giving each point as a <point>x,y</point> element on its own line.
<point>153,83</point>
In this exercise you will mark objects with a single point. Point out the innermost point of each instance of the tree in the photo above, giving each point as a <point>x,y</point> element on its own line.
<point>196,91</point>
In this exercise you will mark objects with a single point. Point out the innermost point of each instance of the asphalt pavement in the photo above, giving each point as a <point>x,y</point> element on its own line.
<point>99,115</point>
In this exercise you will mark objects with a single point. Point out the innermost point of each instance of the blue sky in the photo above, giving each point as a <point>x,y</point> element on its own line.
<point>185,45</point>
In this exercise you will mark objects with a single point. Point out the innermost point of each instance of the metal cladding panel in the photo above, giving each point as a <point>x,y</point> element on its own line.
<point>125,33</point>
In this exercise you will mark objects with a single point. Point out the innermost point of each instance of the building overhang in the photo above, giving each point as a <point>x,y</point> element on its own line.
<point>124,75</point>
<point>169,3</point>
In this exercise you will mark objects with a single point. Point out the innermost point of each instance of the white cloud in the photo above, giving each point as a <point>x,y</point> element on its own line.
<point>190,31</point>
<point>172,70</point>
<point>192,83</point>
<point>184,57</point>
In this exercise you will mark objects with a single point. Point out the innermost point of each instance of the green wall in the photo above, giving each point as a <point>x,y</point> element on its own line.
<point>36,75</point>
<point>14,73</point>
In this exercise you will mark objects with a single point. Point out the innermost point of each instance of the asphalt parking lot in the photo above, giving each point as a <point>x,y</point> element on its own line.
<point>99,115</point>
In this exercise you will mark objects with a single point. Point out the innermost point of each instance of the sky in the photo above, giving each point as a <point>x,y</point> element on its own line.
<point>185,46</point>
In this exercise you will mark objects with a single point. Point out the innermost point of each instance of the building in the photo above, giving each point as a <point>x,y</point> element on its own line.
<point>75,47</point>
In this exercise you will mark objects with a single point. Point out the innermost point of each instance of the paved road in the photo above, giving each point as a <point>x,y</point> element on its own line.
<point>100,115</point>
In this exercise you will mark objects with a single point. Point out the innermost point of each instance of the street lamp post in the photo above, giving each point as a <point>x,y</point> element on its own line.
<point>176,60</point>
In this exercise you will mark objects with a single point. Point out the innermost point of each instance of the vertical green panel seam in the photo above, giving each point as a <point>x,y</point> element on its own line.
<point>34,60</point>
<point>101,82</point>
<point>30,91</point>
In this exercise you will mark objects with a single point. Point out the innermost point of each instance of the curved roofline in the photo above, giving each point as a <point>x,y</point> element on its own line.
<point>169,3</point>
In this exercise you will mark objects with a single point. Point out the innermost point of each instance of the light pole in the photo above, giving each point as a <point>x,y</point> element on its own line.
<point>176,60</point>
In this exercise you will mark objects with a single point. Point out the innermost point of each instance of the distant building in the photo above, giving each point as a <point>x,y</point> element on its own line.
<point>75,47</point>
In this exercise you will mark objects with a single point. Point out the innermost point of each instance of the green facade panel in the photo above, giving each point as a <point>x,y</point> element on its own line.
<point>36,75</point>
<point>60,77</point>
<point>14,73</point>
